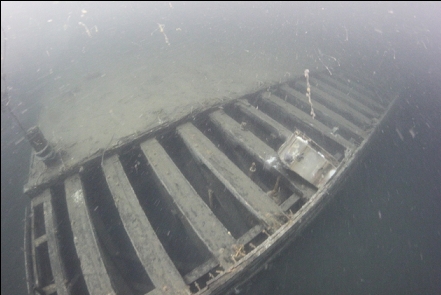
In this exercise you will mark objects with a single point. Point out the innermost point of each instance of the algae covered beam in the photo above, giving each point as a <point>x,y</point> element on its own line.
<point>243,188</point>
<point>93,261</point>
<point>148,247</point>
<point>196,214</point>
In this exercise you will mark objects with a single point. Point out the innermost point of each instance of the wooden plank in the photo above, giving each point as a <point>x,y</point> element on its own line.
<point>28,252</point>
<point>288,203</point>
<point>249,235</point>
<point>40,240</point>
<point>351,97</point>
<point>355,82</point>
<point>346,98</point>
<point>352,91</point>
<point>35,241</point>
<point>148,247</point>
<point>263,119</point>
<point>322,111</point>
<point>200,270</point>
<point>50,289</point>
<point>86,243</point>
<point>253,145</point>
<point>241,187</point>
<point>306,120</point>
<point>197,214</point>
<point>58,270</point>
<point>337,105</point>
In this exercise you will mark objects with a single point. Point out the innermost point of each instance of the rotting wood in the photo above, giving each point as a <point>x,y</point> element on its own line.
<point>337,105</point>
<point>290,202</point>
<point>58,269</point>
<point>200,270</point>
<point>270,124</point>
<point>325,113</point>
<point>28,252</point>
<point>253,145</point>
<point>248,193</point>
<point>36,240</point>
<point>197,214</point>
<point>149,249</point>
<point>305,120</point>
<point>40,240</point>
<point>93,266</point>
<point>345,98</point>
<point>249,235</point>
<point>354,81</point>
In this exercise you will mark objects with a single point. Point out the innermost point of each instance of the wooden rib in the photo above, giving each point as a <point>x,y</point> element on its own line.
<point>28,252</point>
<point>251,144</point>
<point>355,82</point>
<point>323,111</point>
<point>197,214</point>
<point>57,266</point>
<point>352,91</point>
<point>352,100</point>
<point>337,105</point>
<point>263,119</point>
<point>200,270</point>
<point>249,235</point>
<point>40,240</point>
<point>288,203</point>
<point>148,247</point>
<point>304,119</point>
<point>349,97</point>
<point>86,243</point>
<point>34,239</point>
<point>242,188</point>
<point>50,289</point>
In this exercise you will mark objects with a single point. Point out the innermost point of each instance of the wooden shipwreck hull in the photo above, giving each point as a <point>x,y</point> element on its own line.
<point>200,206</point>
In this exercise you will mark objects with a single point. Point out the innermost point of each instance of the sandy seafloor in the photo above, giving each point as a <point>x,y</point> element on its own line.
<point>103,95</point>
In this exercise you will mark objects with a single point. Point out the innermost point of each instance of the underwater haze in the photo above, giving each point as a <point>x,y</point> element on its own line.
<point>88,73</point>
